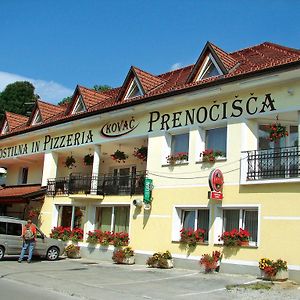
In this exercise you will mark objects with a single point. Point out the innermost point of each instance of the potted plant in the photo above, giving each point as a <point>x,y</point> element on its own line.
<point>161,260</point>
<point>235,238</point>
<point>276,132</point>
<point>70,162</point>
<point>124,256</point>
<point>178,157</point>
<point>61,232</point>
<point>72,251</point>
<point>141,153</point>
<point>88,159</point>
<point>120,239</point>
<point>211,262</point>
<point>192,237</point>
<point>273,270</point>
<point>94,236</point>
<point>76,235</point>
<point>119,156</point>
<point>210,155</point>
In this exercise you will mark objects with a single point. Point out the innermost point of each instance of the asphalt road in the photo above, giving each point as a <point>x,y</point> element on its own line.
<point>85,279</point>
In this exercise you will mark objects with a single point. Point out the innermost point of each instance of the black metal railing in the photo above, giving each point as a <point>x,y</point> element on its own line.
<point>106,184</point>
<point>273,163</point>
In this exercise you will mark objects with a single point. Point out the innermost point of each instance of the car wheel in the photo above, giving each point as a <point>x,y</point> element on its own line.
<point>52,253</point>
<point>1,252</point>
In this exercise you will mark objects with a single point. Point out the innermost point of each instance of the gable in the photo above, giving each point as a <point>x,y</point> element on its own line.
<point>5,128</point>
<point>79,106</point>
<point>209,68</point>
<point>37,118</point>
<point>134,90</point>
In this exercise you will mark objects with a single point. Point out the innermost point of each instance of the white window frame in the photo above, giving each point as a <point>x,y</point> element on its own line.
<point>219,222</point>
<point>177,219</point>
<point>113,206</point>
<point>79,101</point>
<point>205,138</point>
<point>5,127</point>
<point>134,81</point>
<point>57,212</point>
<point>208,58</point>
<point>37,119</point>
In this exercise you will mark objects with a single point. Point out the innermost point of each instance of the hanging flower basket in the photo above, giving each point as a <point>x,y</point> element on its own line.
<point>141,153</point>
<point>276,131</point>
<point>70,162</point>
<point>88,159</point>
<point>119,156</point>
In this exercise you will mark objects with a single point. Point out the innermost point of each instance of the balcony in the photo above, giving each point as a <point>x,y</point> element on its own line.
<point>277,163</point>
<point>106,184</point>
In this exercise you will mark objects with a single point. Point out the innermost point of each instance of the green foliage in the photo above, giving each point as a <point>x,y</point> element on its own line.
<point>18,98</point>
<point>65,101</point>
<point>101,88</point>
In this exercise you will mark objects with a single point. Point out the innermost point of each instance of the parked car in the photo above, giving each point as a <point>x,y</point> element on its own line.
<point>11,241</point>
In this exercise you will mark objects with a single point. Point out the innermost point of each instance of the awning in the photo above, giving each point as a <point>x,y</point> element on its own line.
<point>22,193</point>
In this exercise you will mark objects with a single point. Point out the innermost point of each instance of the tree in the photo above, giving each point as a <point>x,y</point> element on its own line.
<point>18,98</point>
<point>101,88</point>
<point>65,101</point>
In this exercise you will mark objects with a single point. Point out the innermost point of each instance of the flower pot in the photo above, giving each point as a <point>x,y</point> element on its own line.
<point>244,243</point>
<point>73,255</point>
<point>129,260</point>
<point>281,275</point>
<point>170,263</point>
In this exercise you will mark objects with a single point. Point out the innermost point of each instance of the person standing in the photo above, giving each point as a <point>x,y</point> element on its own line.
<point>29,236</point>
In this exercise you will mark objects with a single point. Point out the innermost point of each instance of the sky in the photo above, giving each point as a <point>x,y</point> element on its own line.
<point>59,44</point>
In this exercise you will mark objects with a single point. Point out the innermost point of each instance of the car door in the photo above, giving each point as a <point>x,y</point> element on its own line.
<point>41,244</point>
<point>14,240</point>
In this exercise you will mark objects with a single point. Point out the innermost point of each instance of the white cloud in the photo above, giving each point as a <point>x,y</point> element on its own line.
<point>176,66</point>
<point>49,91</point>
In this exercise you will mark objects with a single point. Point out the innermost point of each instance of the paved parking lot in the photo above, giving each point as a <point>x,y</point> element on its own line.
<point>86,279</point>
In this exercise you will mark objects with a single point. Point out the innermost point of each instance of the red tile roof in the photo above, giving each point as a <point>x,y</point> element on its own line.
<point>48,110</point>
<point>19,193</point>
<point>14,120</point>
<point>264,57</point>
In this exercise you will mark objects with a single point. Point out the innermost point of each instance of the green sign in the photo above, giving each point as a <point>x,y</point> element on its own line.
<point>148,190</point>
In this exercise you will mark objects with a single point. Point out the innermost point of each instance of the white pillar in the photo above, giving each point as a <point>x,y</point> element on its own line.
<point>90,220</point>
<point>96,168</point>
<point>50,167</point>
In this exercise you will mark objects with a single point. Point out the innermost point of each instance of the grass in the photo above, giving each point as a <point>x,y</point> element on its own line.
<point>252,286</point>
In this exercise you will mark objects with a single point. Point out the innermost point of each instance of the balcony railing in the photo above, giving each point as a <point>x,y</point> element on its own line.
<point>273,163</point>
<point>107,184</point>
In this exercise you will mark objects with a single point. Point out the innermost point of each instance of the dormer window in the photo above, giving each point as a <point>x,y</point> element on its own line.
<point>37,119</point>
<point>209,68</point>
<point>134,90</point>
<point>79,106</point>
<point>5,128</point>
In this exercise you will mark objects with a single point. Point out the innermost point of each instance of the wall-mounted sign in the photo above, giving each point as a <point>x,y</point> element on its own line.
<point>216,181</point>
<point>119,128</point>
<point>148,190</point>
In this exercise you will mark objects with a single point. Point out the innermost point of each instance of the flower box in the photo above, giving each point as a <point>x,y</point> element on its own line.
<point>161,260</point>
<point>281,275</point>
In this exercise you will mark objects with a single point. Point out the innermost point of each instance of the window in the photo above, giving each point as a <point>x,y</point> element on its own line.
<point>71,216</point>
<point>242,218</point>
<point>216,139</point>
<point>79,106</point>
<point>180,143</point>
<point>5,128</point>
<point>2,228</point>
<point>37,119</point>
<point>209,68</point>
<point>113,218</point>
<point>134,90</point>
<point>14,229</point>
<point>23,177</point>
<point>195,219</point>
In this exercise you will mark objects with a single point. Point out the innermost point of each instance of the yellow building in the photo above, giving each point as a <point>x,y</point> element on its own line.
<point>235,112</point>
